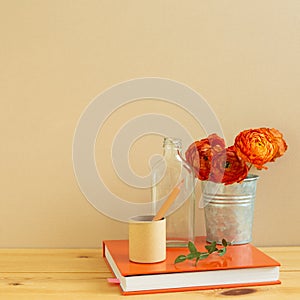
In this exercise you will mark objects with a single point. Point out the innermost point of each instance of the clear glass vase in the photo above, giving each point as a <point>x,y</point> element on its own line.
<point>173,172</point>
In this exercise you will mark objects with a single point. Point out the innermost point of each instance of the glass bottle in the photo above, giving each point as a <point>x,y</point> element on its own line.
<point>173,172</point>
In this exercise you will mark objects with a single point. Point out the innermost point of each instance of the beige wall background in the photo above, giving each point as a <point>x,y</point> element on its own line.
<point>56,56</point>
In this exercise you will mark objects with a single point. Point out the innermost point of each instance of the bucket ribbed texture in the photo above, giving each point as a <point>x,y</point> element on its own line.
<point>229,210</point>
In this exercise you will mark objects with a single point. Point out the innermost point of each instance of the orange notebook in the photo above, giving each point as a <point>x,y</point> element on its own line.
<point>242,265</point>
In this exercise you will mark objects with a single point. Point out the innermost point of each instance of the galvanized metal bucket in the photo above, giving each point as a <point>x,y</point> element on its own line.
<point>229,210</point>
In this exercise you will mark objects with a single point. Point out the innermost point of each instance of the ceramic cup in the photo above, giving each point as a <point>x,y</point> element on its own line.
<point>147,239</point>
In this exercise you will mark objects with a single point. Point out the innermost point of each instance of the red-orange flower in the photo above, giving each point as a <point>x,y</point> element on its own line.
<point>282,146</point>
<point>211,161</point>
<point>257,146</point>
<point>227,167</point>
<point>199,154</point>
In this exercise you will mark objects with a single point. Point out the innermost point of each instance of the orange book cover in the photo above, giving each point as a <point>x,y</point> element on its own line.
<point>242,265</point>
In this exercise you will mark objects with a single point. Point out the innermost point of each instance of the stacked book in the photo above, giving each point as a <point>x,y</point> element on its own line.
<point>242,265</point>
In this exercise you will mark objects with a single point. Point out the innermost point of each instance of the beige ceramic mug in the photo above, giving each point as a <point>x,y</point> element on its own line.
<point>147,239</point>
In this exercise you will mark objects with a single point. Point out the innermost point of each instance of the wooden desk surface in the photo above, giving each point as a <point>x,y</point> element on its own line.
<point>82,274</point>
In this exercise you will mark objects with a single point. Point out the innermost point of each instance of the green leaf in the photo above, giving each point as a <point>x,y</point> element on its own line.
<point>192,247</point>
<point>224,243</point>
<point>212,247</point>
<point>207,247</point>
<point>222,251</point>
<point>180,258</point>
<point>191,256</point>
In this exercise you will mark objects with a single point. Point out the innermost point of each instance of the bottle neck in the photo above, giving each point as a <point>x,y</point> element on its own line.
<point>172,152</point>
<point>172,148</point>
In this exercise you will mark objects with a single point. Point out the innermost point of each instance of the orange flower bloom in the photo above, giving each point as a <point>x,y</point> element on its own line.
<point>227,167</point>
<point>259,146</point>
<point>199,154</point>
<point>282,146</point>
<point>211,161</point>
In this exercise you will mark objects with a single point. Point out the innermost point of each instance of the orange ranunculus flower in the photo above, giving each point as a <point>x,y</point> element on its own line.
<point>199,154</point>
<point>282,146</point>
<point>227,167</point>
<point>259,146</point>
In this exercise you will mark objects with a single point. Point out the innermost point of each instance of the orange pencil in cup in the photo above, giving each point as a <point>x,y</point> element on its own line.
<point>172,197</point>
